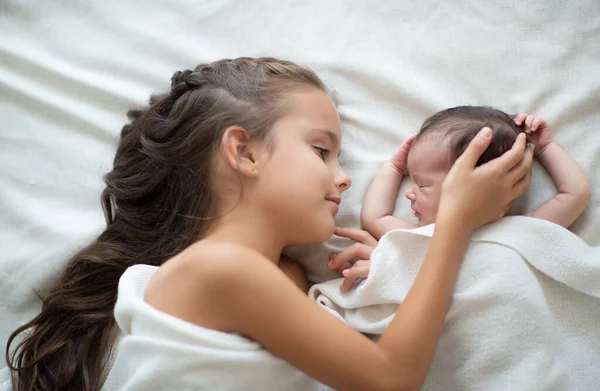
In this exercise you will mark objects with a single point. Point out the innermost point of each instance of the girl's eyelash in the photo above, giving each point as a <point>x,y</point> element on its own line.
<point>322,152</point>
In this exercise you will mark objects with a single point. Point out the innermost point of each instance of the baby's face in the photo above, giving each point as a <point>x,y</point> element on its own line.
<point>428,164</point>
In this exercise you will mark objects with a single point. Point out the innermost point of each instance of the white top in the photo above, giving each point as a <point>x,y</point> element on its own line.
<point>161,352</point>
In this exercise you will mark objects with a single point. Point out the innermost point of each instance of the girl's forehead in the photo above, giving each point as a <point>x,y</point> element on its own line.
<point>310,109</point>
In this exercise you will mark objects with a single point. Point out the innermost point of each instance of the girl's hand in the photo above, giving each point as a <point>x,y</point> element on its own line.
<point>477,196</point>
<point>359,252</point>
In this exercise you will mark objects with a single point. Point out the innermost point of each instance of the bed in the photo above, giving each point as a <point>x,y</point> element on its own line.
<point>69,71</point>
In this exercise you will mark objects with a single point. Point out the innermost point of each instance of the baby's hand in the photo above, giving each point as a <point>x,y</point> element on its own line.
<point>536,129</point>
<point>398,159</point>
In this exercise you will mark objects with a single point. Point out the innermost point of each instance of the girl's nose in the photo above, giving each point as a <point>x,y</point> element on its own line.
<point>343,181</point>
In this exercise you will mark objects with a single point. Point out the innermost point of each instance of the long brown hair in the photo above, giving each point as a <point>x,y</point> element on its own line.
<point>158,200</point>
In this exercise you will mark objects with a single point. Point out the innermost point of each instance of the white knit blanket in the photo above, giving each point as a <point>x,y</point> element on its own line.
<point>525,313</point>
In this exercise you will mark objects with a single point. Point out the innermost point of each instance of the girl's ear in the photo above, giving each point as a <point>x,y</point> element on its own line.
<point>241,152</point>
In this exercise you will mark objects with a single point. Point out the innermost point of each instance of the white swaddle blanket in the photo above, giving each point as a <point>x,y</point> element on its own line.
<point>525,313</point>
<point>161,352</point>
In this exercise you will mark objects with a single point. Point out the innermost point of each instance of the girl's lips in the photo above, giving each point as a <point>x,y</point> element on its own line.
<point>334,206</point>
<point>335,200</point>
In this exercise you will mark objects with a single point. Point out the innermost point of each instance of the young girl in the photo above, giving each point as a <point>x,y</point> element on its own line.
<point>211,181</point>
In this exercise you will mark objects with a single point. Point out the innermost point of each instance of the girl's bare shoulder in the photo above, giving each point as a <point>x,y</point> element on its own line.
<point>199,282</point>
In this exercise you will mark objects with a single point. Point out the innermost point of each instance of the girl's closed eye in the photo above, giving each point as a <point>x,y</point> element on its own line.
<point>321,151</point>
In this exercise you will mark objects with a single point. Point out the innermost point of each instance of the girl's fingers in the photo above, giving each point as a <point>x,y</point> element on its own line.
<point>356,250</point>
<point>347,284</point>
<point>474,150</point>
<point>339,269</point>
<point>360,269</point>
<point>512,157</point>
<point>523,168</point>
<point>522,185</point>
<point>356,234</point>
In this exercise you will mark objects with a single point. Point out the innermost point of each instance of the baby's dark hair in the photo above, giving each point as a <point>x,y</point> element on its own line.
<point>461,124</point>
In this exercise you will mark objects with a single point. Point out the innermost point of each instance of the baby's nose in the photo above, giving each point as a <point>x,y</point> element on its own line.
<point>410,195</point>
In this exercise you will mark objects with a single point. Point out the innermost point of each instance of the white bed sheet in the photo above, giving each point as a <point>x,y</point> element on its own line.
<point>69,70</point>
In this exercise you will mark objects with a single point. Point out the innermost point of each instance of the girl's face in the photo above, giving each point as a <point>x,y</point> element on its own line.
<point>301,181</point>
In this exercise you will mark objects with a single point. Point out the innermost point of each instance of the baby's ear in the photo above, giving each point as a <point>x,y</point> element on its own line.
<point>241,151</point>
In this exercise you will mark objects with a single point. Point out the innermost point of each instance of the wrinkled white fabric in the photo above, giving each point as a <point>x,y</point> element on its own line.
<point>525,313</point>
<point>70,70</point>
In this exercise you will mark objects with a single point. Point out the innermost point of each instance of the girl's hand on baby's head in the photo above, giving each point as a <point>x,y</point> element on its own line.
<point>477,196</point>
<point>399,158</point>
<point>537,129</point>
<point>359,252</point>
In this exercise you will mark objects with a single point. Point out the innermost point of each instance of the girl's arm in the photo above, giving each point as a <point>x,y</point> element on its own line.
<point>239,291</point>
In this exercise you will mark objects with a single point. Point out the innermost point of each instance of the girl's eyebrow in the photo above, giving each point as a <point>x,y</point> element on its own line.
<point>334,137</point>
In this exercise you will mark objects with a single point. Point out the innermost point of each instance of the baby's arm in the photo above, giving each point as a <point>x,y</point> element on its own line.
<point>570,179</point>
<point>378,205</point>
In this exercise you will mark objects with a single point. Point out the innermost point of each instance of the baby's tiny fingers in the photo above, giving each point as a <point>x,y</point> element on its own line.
<point>520,118</point>
<point>537,122</point>
<point>529,121</point>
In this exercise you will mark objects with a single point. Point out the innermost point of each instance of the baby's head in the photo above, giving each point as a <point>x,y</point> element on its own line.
<point>441,140</point>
